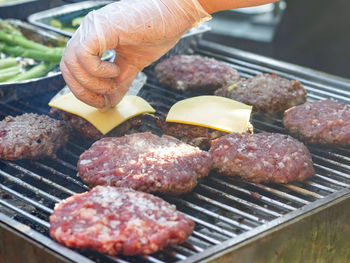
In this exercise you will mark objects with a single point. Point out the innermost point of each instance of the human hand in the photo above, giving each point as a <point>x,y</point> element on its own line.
<point>140,31</point>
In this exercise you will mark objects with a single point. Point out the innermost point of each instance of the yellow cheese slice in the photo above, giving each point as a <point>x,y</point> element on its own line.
<point>129,107</point>
<point>214,112</point>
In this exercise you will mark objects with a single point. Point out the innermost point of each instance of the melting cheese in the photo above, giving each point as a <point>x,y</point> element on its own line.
<point>130,106</point>
<point>214,112</point>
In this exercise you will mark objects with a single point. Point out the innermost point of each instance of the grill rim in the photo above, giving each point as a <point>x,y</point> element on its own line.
<point>44,241</point>
<point>270,227</point>
<point>267,65</point>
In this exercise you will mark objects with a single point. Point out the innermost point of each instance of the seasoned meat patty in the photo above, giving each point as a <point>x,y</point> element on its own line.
<point>86,129</point>
<point>115,221</point>
<point>325,122</point>
<point>194,135</point>
<point>191,72</point>
<point>145,162</point>
<point>31,136</point>
<point>262,157</point>
<point>267,93</point>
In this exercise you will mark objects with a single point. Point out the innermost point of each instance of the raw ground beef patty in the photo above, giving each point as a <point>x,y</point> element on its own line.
<point>31,136</point>
<point>325,122</point>
<point>86,129</point>
<point>192,134</point>
<point>191,72</point>
<point>267,93</point>
<point>118,221</point>
<point>145,162</point>
<point>262,157</point>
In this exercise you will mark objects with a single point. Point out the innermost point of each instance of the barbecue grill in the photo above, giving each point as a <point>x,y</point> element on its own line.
<point>235,220</point>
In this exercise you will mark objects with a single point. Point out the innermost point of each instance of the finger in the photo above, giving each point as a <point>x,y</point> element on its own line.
<point>86,96</point>
<point>127,74</point>
<point>97,67</point>
<point>90,82</point>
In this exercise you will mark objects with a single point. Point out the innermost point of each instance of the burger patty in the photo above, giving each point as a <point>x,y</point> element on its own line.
<point>194,135</point>
<point>145,162</point>
<point>31,136</point>
<point>325,122</point>
<point>267,93</point>
<point>262,157</point>
<point>86,129</point>
<point>115,221</point>
<point>190,72</point>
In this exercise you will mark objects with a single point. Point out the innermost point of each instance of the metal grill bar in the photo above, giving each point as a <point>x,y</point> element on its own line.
<point>25,199</point>
<point>25,214</point>
<point>40,178</point>
<point>255,195</point>
<point>241,201</point>
<point>226,210</point>
<point>29,187</point>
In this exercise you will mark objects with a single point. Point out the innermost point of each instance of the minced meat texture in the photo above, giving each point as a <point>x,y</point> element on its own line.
<point>262,157</point>
<point>86,129</point>
<point>267,93</point>
<point>145,162</point>
<point>192,134</point>
<point>31,136</point>
<point>115,221</point>
<point>324,122</point>
<point>192,72</point>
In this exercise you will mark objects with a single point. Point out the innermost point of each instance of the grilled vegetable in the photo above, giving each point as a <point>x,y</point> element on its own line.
<point>35,72</point>
<point>8,73</point>
<point>14,39</point>
<point>14,44</point>
<point>50,55</point>
<point>77,21</point>
<point>8,62</point>
<point>56,23</point>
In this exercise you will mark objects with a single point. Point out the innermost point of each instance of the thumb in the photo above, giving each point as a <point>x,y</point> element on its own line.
<point>128,73</point>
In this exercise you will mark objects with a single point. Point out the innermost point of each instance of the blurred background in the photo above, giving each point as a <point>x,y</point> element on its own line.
<point>312,33</point>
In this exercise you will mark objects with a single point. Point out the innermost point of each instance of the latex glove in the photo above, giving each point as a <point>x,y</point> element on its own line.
<point>140,31</point>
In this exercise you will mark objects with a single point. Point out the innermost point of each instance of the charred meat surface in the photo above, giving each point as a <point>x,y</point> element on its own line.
<point>325,122</point>
<point>193,72</point>
<point>144,162</point>
<point>194,135</point>
<point>115,221</point>
<point>262,157</point>
<point>86,129</point>
<point>31,136</point>
<point>267,93</point>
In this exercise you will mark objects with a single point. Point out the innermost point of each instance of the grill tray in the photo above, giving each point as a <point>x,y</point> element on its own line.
<point>227,211</point>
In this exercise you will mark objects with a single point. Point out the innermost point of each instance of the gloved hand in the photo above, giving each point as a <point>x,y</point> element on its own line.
<point>140,31</point>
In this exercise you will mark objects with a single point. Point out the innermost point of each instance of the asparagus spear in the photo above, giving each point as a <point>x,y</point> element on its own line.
<point>55,23</point>
<point>22,41</point>
<point>9,28</point>
<point>77,21</point>
<point>49,56</point>
<point>10,69</point>
<point>7,62</point>
<point>35,72</point>
<point>9,73</point>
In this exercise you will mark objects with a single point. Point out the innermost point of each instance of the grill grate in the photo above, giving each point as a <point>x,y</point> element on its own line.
<point>226,210</point>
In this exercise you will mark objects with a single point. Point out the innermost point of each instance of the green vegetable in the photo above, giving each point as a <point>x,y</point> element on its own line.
<point>7,62</point>
<point>35,72</point>
<point>52,55</point>
<point>9,73</point>
<point>55,23</point>
<point>14,39</point>
<point>77,21</point>
<point>10,69</point>
<point>69,29</point>
<point>9,28</point>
